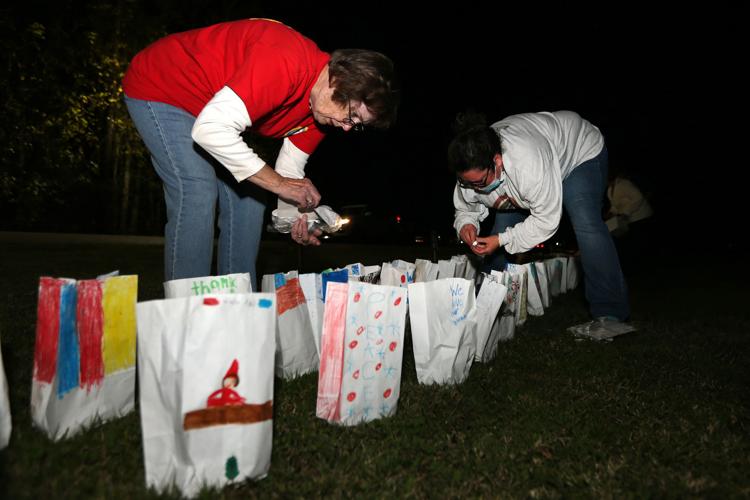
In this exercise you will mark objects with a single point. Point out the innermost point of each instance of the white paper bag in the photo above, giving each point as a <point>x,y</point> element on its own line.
<point>362,352</point>
<point>5,421</point>
<point>461,263</point>
<point>446,269</point>
<point>508,309</point>
<point>554,275</point>
<point>534,304</point>
<point>519,271</point>
<point>296,353</point>
<point>312,288</point>
<point>408,268</point>
<point>425,270</point>
<point>541,274</point>
<point>442,315</point>
<point>84,356</point>
<point>489,301</point>
<point>390,275</point>
<point>205,374</point>
<point>190,287</point>
<point>572,273</point>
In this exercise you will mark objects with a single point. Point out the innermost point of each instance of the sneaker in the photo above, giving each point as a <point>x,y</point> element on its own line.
<point>603,328</point>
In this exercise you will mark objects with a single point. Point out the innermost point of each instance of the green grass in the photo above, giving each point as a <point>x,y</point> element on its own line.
<point>663,412</point>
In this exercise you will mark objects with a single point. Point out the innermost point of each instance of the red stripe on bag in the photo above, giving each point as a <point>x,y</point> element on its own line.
<point>289,296</point>
<point>90,318</point>
<point>47,329</point>
<point>210,301</point>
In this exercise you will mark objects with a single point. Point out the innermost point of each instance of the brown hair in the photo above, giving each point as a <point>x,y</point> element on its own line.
<point>368,77</point>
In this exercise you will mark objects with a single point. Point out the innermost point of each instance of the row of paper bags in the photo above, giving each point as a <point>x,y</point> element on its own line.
<point>200,428</point>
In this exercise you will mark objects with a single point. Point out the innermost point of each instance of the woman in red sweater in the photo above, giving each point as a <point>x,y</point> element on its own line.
<point>192,94</point>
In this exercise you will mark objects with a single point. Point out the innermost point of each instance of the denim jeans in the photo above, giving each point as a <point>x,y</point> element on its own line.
<point>583,195</point>
<point>193,183</point>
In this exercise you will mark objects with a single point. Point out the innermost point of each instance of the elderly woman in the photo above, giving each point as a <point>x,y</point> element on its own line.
<point>191,95</point>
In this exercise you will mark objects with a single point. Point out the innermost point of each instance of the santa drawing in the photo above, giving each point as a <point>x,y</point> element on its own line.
<point>227,396</point>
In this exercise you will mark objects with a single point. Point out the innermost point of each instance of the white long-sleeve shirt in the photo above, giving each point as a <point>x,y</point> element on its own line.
<point>218,130</point>
<point>539,151</point>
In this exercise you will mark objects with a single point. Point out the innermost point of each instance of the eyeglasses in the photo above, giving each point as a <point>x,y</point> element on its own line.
<point>477,184</point>
<point>355,126</point>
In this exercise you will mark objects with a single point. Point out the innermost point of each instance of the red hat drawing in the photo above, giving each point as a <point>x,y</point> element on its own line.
<point>234,371</point>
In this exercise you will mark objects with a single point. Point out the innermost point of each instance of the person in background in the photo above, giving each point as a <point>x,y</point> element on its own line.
<point>628,218</point>
<point>192,94</point>
<point>526,167</point>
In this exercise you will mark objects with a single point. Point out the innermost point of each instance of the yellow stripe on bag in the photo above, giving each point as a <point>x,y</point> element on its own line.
<point>118,302</point>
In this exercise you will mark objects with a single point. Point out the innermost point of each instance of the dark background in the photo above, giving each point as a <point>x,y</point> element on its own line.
<point>663,86</point>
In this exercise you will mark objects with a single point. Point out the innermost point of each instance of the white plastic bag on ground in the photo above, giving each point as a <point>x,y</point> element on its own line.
<point>362,352</point>
<point>442,315</point>
<point>205,373</point>
<point>84,356</point>
<point>489,301</point>
<point>190,287</point>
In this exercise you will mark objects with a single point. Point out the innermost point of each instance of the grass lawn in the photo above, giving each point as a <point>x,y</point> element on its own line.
<point>663,412</point>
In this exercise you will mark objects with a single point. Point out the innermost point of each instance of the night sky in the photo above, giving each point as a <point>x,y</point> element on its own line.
<point>660,87</point>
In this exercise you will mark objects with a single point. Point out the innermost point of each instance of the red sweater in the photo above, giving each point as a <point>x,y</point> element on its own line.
<point>271,67</point>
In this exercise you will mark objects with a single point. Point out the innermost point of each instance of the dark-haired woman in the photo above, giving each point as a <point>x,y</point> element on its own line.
<point>527,167</point>
<point>192,94</point>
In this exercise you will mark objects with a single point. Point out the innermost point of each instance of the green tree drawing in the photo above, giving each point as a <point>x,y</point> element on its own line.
<point>231,469</point>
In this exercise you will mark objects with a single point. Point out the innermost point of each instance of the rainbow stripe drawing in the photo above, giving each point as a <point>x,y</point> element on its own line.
<point>84,357</point>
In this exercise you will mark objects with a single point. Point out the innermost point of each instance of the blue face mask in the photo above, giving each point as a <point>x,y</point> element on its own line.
<point>490,187</point>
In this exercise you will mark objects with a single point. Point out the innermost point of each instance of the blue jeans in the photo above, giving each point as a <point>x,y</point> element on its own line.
<point>583,195</point>
<point>193,183</point>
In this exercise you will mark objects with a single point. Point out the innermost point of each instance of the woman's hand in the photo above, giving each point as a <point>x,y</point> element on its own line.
<point>486,246</point>
<point>300,192</point>
<point>301,235</point>
<point>468,234</point>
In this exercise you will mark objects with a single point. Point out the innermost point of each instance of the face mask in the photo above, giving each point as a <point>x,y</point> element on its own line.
<point>490,187</point>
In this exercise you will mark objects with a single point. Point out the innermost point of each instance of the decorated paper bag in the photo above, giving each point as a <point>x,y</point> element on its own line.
<point>425,270</point>
<point>189,287</point>
<point>370,274</point>
<point>341,276</point>
<point>489,300</point>
<point>442,314</point>
<point>508,309</point>
<point>541,274</point>
<point>206,389</point>
<point>362,352</point>
<point>5,422</point>
<point>408,268</point>
<point>446,269</point>
<point>534,304</point>
<point>84,356</point>
<point>296,353</point>
<point>572,269</point>
<point>518,273</point>
<point>390,275</point>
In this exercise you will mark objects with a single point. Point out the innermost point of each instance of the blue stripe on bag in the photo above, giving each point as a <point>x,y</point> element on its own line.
<point>68,357</point>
